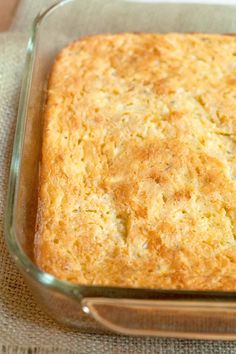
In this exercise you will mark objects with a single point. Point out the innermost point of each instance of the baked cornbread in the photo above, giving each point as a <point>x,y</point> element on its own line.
<point>138,175</point>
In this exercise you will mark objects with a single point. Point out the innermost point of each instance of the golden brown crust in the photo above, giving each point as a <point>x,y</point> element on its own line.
<point>138,169</point>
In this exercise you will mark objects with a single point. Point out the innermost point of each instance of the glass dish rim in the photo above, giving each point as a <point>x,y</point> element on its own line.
<point>20,257</point>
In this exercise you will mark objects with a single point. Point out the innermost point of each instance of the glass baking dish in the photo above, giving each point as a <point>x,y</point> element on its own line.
<point>189,314</point>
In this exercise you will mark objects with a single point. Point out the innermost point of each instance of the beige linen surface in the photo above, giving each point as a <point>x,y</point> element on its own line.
<point>24,328</point>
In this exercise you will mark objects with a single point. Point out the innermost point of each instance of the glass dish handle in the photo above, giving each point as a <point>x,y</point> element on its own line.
<point>186,319</point>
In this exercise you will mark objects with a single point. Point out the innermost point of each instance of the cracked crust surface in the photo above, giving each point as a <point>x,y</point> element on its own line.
<point>138,177</point>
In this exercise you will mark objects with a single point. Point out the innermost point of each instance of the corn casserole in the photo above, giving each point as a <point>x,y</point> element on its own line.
<point>138,174</point>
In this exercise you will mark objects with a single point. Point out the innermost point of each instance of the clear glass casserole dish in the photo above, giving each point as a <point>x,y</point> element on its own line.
<point>189,314</point>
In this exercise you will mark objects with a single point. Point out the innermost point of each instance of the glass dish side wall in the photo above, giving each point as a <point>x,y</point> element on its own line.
<point>173,313</point>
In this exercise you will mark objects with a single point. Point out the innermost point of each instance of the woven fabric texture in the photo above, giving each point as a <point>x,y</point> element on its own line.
<point>24,328</point>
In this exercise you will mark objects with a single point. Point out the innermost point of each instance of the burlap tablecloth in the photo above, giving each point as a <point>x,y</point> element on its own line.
<point>24,328</point>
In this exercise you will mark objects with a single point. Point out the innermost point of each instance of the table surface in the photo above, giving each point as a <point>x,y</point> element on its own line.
<point>7,11</point>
